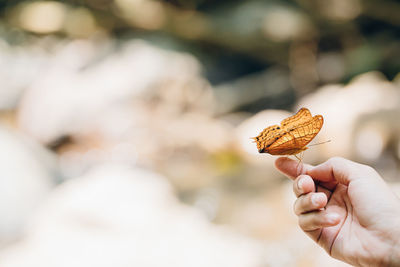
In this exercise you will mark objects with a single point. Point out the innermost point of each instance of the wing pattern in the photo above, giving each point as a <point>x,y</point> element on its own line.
<point>292,136</point>
<point>268,136</point>
<point>299,118</point>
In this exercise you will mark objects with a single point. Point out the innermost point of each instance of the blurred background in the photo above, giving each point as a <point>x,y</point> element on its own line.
<point>125,125</point>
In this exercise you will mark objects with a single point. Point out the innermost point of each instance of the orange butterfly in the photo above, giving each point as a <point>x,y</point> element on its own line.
<point>292,136</point>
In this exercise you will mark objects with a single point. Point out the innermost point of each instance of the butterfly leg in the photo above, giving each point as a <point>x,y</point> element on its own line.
<point>300,159</point>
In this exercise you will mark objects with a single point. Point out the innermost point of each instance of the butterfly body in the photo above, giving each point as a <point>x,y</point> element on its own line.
<point>291,136</point>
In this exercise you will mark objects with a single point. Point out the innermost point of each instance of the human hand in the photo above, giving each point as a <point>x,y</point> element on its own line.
<point>348,209</point>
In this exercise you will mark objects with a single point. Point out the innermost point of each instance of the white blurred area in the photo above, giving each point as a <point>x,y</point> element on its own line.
<point>118,216</point>
<point>123,154</point>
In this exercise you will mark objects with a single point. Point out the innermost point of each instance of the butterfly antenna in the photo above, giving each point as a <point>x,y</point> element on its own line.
<point>320,143</point>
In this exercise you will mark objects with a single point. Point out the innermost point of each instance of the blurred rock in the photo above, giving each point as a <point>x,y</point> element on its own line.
<point>376,137</point>
<point>28,173</point>
<point>23,65</point>
<point>138,105</point>
<point>41,16</point>
<point>65,99</point>
<point>116,216</point>
<point>374,132</point>
<point>176,145</point>
<point>19,66</point>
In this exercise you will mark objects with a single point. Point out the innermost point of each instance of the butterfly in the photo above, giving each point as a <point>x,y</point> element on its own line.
<point>291,136</point>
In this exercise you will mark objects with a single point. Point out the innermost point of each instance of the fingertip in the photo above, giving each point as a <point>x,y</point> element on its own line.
<point>281,161</point>
<point>300,183</point>
<point>286,166</point>
<point>303,184</point>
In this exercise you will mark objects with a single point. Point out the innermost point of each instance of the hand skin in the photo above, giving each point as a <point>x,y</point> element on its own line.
<point>348,209</point>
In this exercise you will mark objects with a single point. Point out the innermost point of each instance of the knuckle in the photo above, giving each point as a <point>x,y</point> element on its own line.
<point>369,169</point>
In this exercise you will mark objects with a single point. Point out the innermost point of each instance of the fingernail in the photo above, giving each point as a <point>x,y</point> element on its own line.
<point>315,199</point>
<point>332,217</point>
<point>300,184</point>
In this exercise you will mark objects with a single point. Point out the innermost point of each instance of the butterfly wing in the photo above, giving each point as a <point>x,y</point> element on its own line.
<point>283,146</point>
<point>302,116</point>
<point>296,139</point>
<point>267,137</point>
<point>306,132</point>
<point>292,136</point>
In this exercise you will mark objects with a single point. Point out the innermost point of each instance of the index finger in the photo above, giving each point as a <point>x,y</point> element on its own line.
<point>341,170</point>
<point>291,168</point>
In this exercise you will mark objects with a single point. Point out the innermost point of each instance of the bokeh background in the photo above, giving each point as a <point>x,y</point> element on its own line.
<point>125,125</point>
